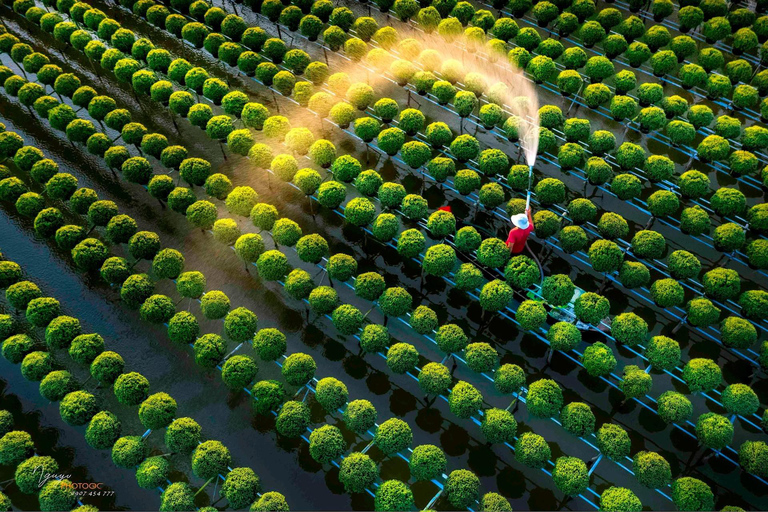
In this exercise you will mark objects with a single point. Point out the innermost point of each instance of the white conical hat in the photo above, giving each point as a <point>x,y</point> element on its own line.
<point>520,220</point>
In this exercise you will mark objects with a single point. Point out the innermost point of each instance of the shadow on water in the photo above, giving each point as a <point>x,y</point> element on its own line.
<point>79,465</point>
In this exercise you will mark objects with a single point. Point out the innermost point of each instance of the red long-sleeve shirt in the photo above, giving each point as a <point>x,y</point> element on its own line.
<point>517,237</point>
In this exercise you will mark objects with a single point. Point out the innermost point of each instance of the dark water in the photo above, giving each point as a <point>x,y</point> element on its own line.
<point>65,445</point>
<point>200,396</point>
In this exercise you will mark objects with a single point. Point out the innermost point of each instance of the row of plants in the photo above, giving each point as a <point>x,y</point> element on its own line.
<point>617,31</point>
<point>17,450</point>
<point>218,235</point>
<point>288,235</point>
<point>558,464</point>
<point>738,18</point>
<point>210,459</point>
<point>746,158</point>
<point>214,52</point>
<point>599,67</point>
<point>402,69</point>
<point>341,114</point>
<point>110,268</point>
<point>617,36</point>
<point>240,324</point>
<point>623,106</point>
<point>576,19</point>
<point>238,371</point>
<point>626,80</point>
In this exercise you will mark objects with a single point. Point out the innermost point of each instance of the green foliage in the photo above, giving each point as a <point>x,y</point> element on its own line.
<point>613,441</point>
<point>357,472</point>
<point>598,359</point>
<point>570,475</point>
<point>626,186</point>
<point>57,495</point>
<point>394,494</point>
<point>557,289</point>
<point>481,357</point>
<point>550,191</point>
<point>692,494</point>
<point>740,399</point>
<point>177,496</point>
<point>591,33</point>
<point>578,419</point>
<point>374,338</point>
<point>157,411</point>
<point>702,375</point>
<point>754,304</point>
<point>131,388</point>
<point>493,252</point>
<point>652,469</point>
<point>86,347</point>
<point>494,502</point>
<point>424,320</point>
<point>753,457</point>
<point>636,382</point>
<point>713,148</point>
<point>393,436</point>
<point>402,358</point>
<point>545,398</point>
<point>721,283</point>
<point>331,393</point>
<point>152,472</point>
<point>563,336</point>
<point>107,367</point>
<point>326,444</point>
<point>439,260</point>
<point>620,499</point>
<point>268,395</point>
<point>674,407</point>
<point>26,478</point>
<point>465,400</point>
<point>694,220</point>
<point>532,450</point>
<point>498,426</point>
<point>42,310</point>
<point>103,430</point>
<point>462,488</point>
<point>728,201</point>
<point>77,408</point>
<point>694,184</point>
<point>210,459</point>
<point>667,293</point>
<point>663,353</point>
<point>426,462</point>
<point>298,369</point>
<point>214,305</point>
<point>648,244</point>
<point>737,332</point>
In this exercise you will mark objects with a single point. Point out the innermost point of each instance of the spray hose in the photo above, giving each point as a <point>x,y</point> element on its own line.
<point>527,206</point>
<point>528,192</point>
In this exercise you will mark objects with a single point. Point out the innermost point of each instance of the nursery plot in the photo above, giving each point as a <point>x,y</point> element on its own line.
<point>692,243</point>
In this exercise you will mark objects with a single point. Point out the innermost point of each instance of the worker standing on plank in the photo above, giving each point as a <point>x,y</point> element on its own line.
<point>522,226</point>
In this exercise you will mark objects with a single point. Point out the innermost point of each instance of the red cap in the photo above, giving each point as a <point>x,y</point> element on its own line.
<point>445,209</point>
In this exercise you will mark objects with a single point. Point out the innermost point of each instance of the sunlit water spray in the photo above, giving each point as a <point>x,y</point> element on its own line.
<point>476,67</point>
<point>500,81</point>
<point>519,97</point>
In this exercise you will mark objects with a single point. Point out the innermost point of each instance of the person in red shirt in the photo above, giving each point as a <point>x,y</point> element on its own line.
<point>518,235</point>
